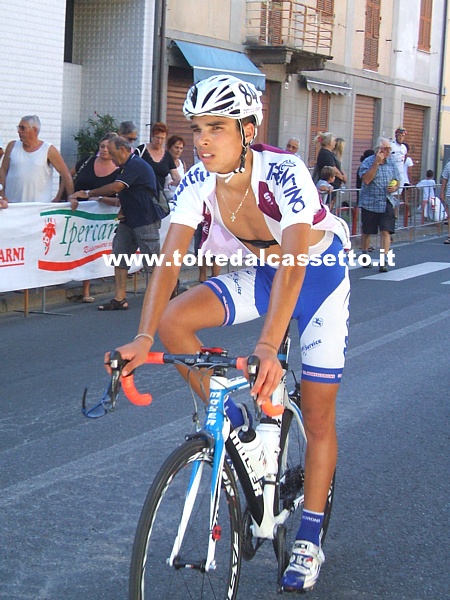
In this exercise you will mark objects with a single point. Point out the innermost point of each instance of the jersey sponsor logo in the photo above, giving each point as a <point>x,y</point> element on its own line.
<point>197,175</point>
<point>283,176</point>
<point>237,285</point>
<point>317,322</point>
<point>307,347</point>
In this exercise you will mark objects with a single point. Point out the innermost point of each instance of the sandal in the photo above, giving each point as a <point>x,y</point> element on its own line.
<point>88,299</point>
<point>447,241</point>
<point>114,305</point>
<point>370,249</point>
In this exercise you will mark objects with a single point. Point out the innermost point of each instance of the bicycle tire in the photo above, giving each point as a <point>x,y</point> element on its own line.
<point>150,574</point>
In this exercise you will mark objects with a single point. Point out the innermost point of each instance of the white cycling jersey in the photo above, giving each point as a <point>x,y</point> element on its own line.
<point>284,192</point>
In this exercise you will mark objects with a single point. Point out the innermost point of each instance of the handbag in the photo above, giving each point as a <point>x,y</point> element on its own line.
<point>161,204</point>
<point>160,201</point>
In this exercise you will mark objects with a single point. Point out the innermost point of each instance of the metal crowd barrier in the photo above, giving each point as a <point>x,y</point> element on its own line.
<point>415,216</point>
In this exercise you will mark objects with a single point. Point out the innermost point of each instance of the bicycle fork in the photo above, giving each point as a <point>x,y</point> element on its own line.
<point>217,429</point>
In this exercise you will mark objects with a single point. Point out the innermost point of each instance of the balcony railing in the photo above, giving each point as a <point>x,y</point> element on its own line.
<point>290,24</point>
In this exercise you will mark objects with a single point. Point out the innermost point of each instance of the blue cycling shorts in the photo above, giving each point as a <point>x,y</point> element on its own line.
<point>321,310</point>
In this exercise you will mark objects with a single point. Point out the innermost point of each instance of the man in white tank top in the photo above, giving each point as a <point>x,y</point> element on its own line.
<point>27,168</point>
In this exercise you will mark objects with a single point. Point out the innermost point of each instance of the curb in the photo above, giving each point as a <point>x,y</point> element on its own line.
<point>71,292</point>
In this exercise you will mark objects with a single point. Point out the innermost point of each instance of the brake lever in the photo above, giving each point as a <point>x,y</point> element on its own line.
<point>108,402</point>
<point>117,363</point>
<point>252,368</point>
<point>267,407</point>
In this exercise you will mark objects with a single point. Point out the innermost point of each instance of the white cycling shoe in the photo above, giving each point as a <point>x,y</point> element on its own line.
<point>303,569</point>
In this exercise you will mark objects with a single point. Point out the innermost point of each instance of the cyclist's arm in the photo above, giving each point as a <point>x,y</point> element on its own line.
<point>157,296</point>
<point>286,287</point>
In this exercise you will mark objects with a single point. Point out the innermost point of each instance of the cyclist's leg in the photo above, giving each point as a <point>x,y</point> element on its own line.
<point>223,300</point>
<point>322,312</point>
<point>323,315</point>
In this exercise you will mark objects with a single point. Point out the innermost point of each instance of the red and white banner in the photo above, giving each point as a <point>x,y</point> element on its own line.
<point>48,244</point>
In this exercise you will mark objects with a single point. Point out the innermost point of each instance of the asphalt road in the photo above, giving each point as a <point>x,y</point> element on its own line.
<point>71,489</point>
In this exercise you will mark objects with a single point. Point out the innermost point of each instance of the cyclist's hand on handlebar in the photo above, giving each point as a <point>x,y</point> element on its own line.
<point>269,374</point>
<point>135,352</point>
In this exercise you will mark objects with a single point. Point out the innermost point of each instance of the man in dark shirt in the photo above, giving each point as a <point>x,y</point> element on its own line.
<point>139,228</point>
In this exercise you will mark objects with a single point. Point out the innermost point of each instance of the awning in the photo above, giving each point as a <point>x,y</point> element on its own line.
<point>207,61</point>
<point>322,85</point>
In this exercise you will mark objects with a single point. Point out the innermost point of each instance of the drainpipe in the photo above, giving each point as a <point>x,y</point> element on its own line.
<point>441,88</point>
<point>159,56</point>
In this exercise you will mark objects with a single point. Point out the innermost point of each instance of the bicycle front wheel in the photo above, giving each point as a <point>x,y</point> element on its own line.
<point>151,575</point>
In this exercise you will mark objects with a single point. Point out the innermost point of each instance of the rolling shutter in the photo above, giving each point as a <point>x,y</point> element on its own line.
<point>363,131</point>
<point>178,84</point>
<point>413,121</point>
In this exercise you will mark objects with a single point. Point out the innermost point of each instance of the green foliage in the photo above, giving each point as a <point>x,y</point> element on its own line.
<point>88,138</point>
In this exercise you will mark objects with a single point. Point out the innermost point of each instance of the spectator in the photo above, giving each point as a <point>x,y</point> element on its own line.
<point>292,146</point>
<point>366,153</point>
<point>399,151</point>
<point>338,151</point>
<point>128,130</point>
<point>135,185</point>
<point>326,158</point>
<point>3,203</point>
<point>445,195</point>
<point>2,152</point>
<point>157,157</point>
<point>175,145</point>
<point>407,168</point>
<point>91,173</point>
<point>380,180</point>
<point>428,186</point>
<point>325,183</point>
<point>27,168</point>
<point>430,206</point>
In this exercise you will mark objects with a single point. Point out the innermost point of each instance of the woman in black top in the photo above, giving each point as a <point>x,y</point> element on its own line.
<point>160,159</point>
<point>326,158</point>
<point>91,173</point>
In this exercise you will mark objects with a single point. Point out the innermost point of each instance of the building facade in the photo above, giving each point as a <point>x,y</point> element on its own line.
<point>358,68</point>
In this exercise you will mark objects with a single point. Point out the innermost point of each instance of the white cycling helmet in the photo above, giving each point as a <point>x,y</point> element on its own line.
<point>223,95</point>
<point>227,96</point>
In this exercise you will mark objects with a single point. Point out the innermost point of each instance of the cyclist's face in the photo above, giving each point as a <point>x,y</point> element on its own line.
<point>218,142</point>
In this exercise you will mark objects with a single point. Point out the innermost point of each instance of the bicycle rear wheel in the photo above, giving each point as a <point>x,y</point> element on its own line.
<point>150,574</point>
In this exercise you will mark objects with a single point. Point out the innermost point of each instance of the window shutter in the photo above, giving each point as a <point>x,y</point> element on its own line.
<point>320,108</point>
<point>372,35</point>
<point>426,7</point>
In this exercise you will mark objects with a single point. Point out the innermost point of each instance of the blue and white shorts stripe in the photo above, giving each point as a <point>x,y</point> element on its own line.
<point>321,309</point>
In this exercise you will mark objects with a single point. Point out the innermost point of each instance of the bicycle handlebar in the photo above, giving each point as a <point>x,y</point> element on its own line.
<point>200,360</point>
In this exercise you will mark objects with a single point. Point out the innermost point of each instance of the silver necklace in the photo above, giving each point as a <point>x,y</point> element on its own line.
<point>233,213</point>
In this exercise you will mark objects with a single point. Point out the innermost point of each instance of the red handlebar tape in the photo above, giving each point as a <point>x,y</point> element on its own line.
<point>157,358</point>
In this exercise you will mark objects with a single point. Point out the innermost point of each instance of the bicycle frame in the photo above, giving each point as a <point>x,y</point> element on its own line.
<point>221,436</point>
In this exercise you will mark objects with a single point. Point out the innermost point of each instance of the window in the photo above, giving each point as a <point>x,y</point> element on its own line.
<point>68,36</point>
<point>326,6</point>
<point>426,7</point>
<point>319,122</point>
<point>372,35</point>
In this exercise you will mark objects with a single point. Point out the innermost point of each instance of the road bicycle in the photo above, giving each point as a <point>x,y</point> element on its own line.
<point>193,533</point>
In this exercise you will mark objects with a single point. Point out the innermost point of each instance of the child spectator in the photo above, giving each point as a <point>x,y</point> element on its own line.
<point>325,183</point>
<point>430,206</point>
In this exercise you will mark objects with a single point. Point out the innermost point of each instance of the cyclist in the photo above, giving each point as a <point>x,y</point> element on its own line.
<point>262,201</point>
